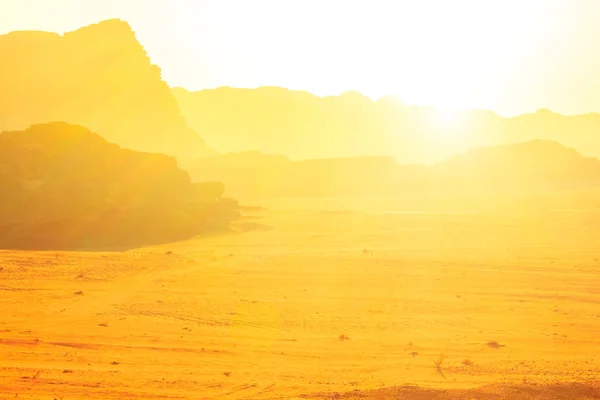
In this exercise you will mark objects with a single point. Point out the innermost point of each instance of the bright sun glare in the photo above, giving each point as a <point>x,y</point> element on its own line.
<point>448,120</point>
<point>436,53</point>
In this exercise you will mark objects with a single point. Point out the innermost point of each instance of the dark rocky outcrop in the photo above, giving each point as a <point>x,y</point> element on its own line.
<point>65,187</point>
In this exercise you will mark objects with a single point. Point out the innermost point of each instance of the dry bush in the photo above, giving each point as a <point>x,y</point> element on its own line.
<point>438,364</point>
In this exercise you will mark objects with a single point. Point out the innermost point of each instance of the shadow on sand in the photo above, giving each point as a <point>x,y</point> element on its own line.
<point>559,391</point>
<point>61,237</point>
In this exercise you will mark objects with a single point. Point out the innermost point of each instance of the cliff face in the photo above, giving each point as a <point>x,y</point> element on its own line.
<point>65,187</point>
<point>98,76</point>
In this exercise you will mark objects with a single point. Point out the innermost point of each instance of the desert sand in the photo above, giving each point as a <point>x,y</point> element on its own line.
<point>315,301</point>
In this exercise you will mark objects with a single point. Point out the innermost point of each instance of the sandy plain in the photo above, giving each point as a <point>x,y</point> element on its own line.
<point>318,301</point>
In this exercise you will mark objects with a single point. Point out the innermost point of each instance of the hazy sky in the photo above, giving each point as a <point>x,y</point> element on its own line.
<point>511,56</point>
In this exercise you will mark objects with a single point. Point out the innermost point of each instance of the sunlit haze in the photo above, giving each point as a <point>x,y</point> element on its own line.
<point>512,56</point>
<point>299,199</point>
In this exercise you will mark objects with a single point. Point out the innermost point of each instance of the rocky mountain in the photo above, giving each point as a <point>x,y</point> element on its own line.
<point>301,125</point>
<point>98,76</point>
<point>536,166</point>
<point>528,166</point>
<point>66,187</point>
<point>254,174</point>
<point>296,124</point>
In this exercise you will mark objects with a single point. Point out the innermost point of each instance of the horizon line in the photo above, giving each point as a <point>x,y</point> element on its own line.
<point>375,99</point>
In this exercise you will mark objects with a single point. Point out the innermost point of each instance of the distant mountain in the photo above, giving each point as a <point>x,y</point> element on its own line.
<point>249,173</point>
<point>65,187</point>
<point>536,166</point>
<point>254,174</point>
<point>296,124</point>
<point>580,132</point>
<point>301,125</point>
<point>529,166</point>
<point>98,76</point>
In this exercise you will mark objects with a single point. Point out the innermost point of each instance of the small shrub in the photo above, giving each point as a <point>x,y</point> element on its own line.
<point>438,364</point>
<point>439,361</point>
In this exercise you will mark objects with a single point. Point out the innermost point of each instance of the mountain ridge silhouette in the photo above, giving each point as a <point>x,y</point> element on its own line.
<point>536,166</point>
<point>302,125</point>
<point>98,76</point>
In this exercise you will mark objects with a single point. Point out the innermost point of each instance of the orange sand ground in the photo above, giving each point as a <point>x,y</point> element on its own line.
<point>259,314</point>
